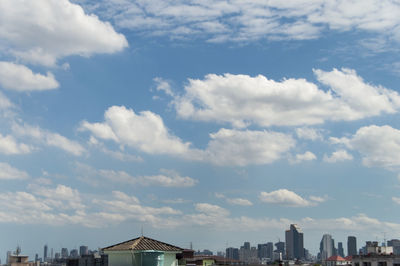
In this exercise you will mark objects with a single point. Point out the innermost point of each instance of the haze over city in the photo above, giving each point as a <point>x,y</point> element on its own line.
<point>203,122</point>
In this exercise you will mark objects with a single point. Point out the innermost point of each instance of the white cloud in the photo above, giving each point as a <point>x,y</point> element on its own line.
<point>396,200</point>
<point>234,201</point>
<point>8,145</point>
<point>144,131</point>
<point>7,172</point>
<point>20,78</point>
<point>301,157</point>
<point>163,85</point>
<point>43,31</point>
<point>338,156</point>
<point>242,100</point>
<point>284,197</point>
<point>239,201</point>
<point>4,102</point>
<point>48,138</point>
<point>309,133</point>
<point>378,146</point>
<point>252,20</point>
<point>166,178</point>
<point>236,147</point>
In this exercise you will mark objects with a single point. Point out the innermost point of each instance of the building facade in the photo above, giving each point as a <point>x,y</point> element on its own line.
<point>294,243</point>
<point>351,246</point>
<point>142,251</point>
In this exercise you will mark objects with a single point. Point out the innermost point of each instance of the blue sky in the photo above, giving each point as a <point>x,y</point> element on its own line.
<point>200,121</point>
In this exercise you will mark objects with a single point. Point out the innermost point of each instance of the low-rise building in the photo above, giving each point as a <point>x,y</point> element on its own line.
<point>142,251</point>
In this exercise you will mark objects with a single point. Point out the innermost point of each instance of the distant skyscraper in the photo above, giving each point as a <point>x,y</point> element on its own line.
<point>84,250</point>
<point>246,245</point>
<point>280,248</point>
<point>340,249</point>
<point>294,242</point>
<point>395,243</point>
<point>351,246</point>
<point>45,252</point>
<point>64,253</point>
<point>326,247</point>
<point>8,257</point>
<point>232,253</point>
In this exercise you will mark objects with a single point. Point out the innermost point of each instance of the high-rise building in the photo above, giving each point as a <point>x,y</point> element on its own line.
<point>45,252</point>
<point>64,253</point>
<point>395,243</point>
<point>83,250</point>
<point>232,253</point>
<point>326,247</point>
<point>351,246</point>
<point>261,251</point>
<point>8,257</point>
<point>280,247</point>
<point>340,249</point>
<point>294,242</point>
<point>246,245</point>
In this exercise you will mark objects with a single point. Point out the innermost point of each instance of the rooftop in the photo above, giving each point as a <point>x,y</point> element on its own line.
<point>142,243</point>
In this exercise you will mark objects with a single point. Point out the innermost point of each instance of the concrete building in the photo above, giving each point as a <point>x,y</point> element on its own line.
<point>83,250</point>
<point>232,253</point>
<point>142,251</point>
<point>336,261</point>
<point>395,243</point>
<point>326,247</point>
<point>351,246</point>
<point>340,249</point>
<point>294,243</point>
<point>376,256</point>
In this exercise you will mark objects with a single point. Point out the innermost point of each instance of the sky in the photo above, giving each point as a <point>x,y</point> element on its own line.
<point>211,122</point>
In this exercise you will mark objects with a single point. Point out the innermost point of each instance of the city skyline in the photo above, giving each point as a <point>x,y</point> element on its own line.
<point>211,122</point>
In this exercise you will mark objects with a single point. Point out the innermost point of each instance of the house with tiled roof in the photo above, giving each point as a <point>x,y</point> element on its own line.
<point>336,261</point>
<point>142,251</point>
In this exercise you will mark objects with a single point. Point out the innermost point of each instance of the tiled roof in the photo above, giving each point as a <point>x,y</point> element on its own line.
<point>348,258</point>
<point>335,258</point>
<point>142,243</point>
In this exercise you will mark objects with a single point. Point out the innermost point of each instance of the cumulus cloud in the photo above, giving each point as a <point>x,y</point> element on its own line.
<point>20,78</point>
<point>234,201</point>
<point>7,172</point>
<point>166,178</point>
<point>9,145</point>
<point>242,100</point>
<point>237,147</point>
<point>309,133</point>
<point>239,201</point>
<point>284,197</point>
<point>144,131</point>
<point>378,145</point>
<point>245,21</point>
<point>48,138</point>
<point>338,156</point>
<point>288,198</point>
<point>396,200</point>
<point>301,157</point>
<point>4,102</point>
<point>40,32</point>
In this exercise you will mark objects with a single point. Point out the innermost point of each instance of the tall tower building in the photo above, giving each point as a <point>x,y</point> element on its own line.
<point>351,246</point>
<point>326,247</point>
<point>294,242</point>
<point>45,252</point>
<point>84,250</point>
<point>340,249</point>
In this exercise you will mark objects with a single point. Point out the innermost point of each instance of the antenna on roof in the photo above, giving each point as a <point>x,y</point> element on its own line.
<point>142,230</point>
